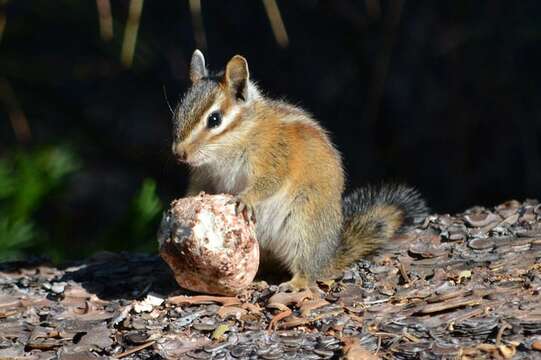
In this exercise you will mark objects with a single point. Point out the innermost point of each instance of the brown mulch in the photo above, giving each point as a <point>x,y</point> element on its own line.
<point>461,287</point>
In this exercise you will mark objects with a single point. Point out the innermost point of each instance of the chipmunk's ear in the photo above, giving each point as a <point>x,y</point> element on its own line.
<point>197,66</point>
<point>237,76</point>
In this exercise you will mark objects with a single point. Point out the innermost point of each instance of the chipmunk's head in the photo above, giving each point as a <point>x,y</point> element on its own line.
<point>206,118</point>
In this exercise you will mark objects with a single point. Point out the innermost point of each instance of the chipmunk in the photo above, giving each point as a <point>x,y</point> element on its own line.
<point>282,167</point>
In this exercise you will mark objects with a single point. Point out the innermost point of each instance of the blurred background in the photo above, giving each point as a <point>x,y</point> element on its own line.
<point>443,95</point>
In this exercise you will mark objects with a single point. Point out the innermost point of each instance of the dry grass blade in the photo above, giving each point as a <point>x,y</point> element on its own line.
<point>276,22</point>
<point>130,33</point>
<point>197,23</point>
<point>105,19</point>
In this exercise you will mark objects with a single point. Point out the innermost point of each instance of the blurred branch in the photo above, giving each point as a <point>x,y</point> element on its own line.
<point>130,33</point>
<point>277,25</point>
<point>18,119</point>
<point>3,18</point>
<point>373,9</point>
<point>106,19</point>
<point>381,67</point>
<point>197,23</point>
<point>2,24</point>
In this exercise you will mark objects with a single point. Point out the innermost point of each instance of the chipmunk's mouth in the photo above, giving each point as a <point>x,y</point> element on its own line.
<point>181,160</point>
<point>193,161</point>
<point>184,158</point>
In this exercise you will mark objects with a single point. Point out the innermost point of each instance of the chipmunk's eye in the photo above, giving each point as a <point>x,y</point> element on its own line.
<point>214,120</point>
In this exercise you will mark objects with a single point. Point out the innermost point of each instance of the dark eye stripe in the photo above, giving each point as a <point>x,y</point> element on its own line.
<point>195,103</point>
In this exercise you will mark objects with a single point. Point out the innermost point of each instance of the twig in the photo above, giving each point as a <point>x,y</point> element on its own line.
<point>382,333</point>
<point>379,345</point>
<point>6,314</point>
<point>203,299</point>
<point>373,302</point>
<point>273,325</point>
<point>135,349</point>
<point>410,337</point>
<point>504,327</point>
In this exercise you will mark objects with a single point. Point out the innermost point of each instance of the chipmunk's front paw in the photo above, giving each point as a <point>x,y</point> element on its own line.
<point>296,284</point>
<point>244,207</point>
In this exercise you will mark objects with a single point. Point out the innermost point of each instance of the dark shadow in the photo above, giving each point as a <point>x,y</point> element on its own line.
<point>30,262</point>
<point>131,276</point>
<point>123,276</point>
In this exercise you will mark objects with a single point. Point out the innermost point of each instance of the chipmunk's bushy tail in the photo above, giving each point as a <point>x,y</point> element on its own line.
<point>372,216</point>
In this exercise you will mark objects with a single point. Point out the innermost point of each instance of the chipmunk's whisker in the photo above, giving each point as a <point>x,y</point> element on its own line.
<point>167,101</point>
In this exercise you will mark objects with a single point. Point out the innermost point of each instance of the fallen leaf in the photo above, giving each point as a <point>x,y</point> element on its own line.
<point>98,337</point>
<point>465,274</point>
<point>220,331</point>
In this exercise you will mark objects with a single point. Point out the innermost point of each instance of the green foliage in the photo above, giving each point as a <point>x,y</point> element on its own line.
<point>145,213</point>
<point>7,185</point>
<point>14,237</point>
<point>146,206</point>
<point>136,231</point>
<point>37,175</point>
<point>27,179</point>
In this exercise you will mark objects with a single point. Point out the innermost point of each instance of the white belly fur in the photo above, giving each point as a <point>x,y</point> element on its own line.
<point>272,232</point>
<point>229,176</point>
<point>271,213</point>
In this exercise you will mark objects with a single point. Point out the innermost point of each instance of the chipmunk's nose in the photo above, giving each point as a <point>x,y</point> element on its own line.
<point>182,155</point>
<point>180,152</point>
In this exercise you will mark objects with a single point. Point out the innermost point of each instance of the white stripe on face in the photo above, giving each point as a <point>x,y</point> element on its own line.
<point>226,120</point>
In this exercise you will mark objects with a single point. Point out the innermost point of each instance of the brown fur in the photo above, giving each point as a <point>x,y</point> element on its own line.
<point>279,162</point>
